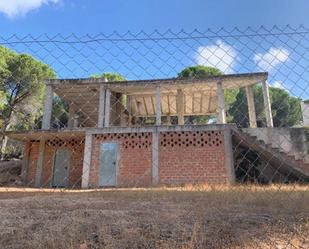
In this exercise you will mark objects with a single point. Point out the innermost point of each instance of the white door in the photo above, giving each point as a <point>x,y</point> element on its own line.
<point>108,164</point>
<point>61,168</point>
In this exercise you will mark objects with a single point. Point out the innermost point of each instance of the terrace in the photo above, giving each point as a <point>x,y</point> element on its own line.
<point>98,103</point>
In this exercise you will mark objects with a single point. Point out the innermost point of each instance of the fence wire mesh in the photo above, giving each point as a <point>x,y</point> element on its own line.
<point>155,140</point>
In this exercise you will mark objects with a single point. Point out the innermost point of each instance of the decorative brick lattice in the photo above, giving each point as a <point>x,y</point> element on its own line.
<point>63,143</point>
<point>129,140</point>
<point>196,139</point>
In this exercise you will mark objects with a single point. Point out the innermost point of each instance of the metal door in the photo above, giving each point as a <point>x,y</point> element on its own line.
<point>108,164</point>
<point>61,168</point>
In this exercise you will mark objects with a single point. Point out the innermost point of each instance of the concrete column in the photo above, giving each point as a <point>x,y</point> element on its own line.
<point>168,120</point>
<point>221,119</point>
<point>25,165</point>
<point>48,106</point>
<point>76,122</point>
<point>101,108</point>
<point>251,107</point>
<point>180,107</point>
<point>71,116</point>
<point>229,155</point>
<point>107,108</point>
<point>40,162</point>
<point>267,105</point>
<point>129,109</point>
<point>155,157</point>
<point>158,106</point>
<point>87,161</point>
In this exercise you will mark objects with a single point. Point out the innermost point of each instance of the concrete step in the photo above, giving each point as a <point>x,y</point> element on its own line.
<point>274,147</point>
<point>276,154</point>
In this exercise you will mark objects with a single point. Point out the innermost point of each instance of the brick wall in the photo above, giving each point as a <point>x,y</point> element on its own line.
<point>134,165</point>
<point>76,148</point>
<point>184,157</point>
<point>192,157</point>
<point>76,161</point>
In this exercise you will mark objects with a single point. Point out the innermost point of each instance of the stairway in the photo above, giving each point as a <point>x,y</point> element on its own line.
<point>273,146</point>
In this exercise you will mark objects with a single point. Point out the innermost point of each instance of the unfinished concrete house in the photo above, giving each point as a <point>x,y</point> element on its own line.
<point>146,132</point>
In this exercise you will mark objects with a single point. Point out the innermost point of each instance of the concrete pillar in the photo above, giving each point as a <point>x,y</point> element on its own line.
<point>76,122</point>
<point>40,162</point>
<point>267,105</point>
<point>229,155</point>
<point>107,108</point>
<point>129,109</point>
<point>180,107</point>
<point>168,120</point>
<point>101,108</point>
<point>158,106</point>
<point>305,112</point>
<point>221,119</point>
<point>155,157</point>
<point>71,117</point>
<point>48,106</point>
<point>87,161</point>
<point>251,107</point>
<point>25,165</point>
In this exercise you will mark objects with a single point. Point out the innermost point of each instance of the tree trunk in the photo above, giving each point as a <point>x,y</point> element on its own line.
<point>4,138</point>
<point>3,146</point>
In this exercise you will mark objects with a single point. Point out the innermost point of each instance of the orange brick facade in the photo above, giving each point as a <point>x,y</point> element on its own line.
<point>192,157</point>
<point>134,165</point>
<point>76,161</point>
<point>182,156</point>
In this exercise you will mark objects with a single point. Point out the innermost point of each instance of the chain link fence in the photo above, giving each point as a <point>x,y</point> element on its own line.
<point>155,140</point>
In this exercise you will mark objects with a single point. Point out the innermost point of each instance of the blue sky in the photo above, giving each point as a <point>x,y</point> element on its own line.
<point>282,56</point>
<point>93,16</point>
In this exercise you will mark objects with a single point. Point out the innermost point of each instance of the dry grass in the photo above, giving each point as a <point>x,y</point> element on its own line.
<point>190,217</point>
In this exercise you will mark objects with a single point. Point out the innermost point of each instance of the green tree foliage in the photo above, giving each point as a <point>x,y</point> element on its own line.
<point>286,109</point>
<point>60,113</point>
<point>21,89</point>
<point>199,72</point>
<point>110,76</point>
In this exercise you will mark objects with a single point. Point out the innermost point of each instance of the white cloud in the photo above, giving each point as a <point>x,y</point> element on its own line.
<point>14,8</point>
<point>272,58</point>
<point>279,84</point>
<point>219,55</point>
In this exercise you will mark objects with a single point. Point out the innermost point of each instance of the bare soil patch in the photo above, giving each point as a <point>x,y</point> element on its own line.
<point>191,217</point>
<point>10,173</point>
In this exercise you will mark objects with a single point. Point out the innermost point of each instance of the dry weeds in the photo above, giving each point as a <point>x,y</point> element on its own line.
<point>189,217</point>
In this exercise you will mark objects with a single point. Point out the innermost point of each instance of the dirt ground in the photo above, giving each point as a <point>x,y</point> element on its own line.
<point>189,217</point>
<point>10,173</point>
